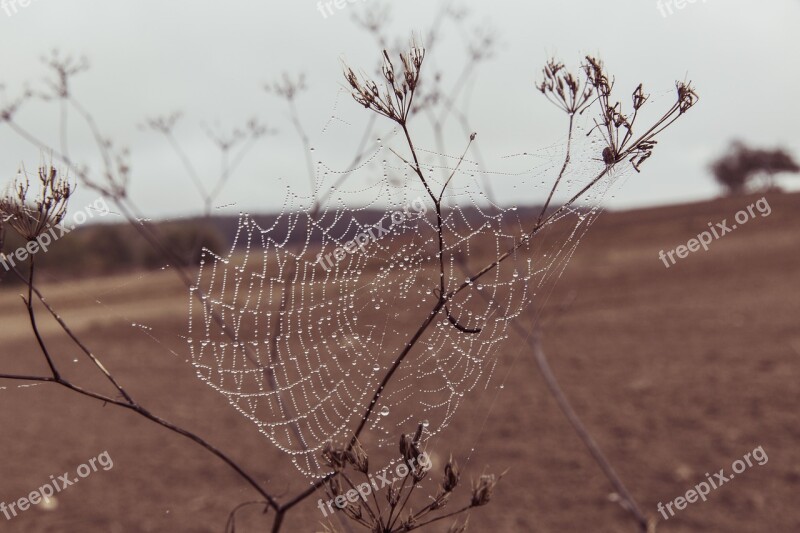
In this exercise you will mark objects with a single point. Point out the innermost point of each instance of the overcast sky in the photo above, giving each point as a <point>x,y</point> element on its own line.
<point>209,60</point>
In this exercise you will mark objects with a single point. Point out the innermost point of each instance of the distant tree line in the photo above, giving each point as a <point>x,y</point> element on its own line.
<point>102,249</point>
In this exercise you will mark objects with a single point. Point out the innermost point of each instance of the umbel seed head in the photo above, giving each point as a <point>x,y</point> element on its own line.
<point>31,217</point>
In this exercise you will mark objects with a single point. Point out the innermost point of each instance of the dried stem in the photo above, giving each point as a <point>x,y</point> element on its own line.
<point>395,365</point>
<point>552,384</point>
<point>129,403</point>
<point>32,318</point>
<point>563,169</point>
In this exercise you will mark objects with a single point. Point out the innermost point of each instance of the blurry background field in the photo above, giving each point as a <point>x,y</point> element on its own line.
<point>677,372</point>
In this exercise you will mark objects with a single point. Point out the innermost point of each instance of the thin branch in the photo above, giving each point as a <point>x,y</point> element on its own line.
<point>563,168</point>
<point>306,145</point>
<point>575,421</point>
<point>410,344</point>
<point>70,333</point>
<point>442,517</point>
<point>187,164</point>
<point>563,402</point>
<point>416,166</point>
<point>369,509</point>
<point>458,165</point>
<point>526,238</point>
<point>130,404</point>
<point>27,378</point>
<point>230,525</point>
<point>32,317</point>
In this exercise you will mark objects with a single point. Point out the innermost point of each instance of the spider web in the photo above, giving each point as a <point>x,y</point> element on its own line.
<point>300,348</point>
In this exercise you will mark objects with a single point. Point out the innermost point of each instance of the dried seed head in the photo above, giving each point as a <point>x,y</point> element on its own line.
<point>419,472</point>
<point>64,68</point>
<point>451,476</point>
<point>358,457</point>
<point>639,98</point>
<point>163,124</point>
<point>596,74</point>
<point>564,89</point>
<point>32,217</point>
<point>394,100</point>
<point>482,491</point>
<point>388,68</point>
<point>409,449</point>
<point>288,87</point>
<point>686,96</point>
<point>617,128</point>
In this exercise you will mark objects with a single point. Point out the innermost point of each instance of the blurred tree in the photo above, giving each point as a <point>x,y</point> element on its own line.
<point>738,170</point>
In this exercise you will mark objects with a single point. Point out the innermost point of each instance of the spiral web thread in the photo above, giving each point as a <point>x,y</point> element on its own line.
<point>307,347</point>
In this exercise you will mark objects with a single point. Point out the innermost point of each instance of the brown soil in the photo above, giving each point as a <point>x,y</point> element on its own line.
<point>676,372</point>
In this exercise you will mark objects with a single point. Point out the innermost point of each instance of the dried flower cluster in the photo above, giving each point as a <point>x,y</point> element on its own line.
<point>573,94</point>
<point>64,68</point>
<point>287,88</point>
<point>397,515</point>
<point>617,127</point>
<point>394,100</point>
<point>564,89</point>
<point>339,458</point>
<point>32,217</point>
<point>482,490</point>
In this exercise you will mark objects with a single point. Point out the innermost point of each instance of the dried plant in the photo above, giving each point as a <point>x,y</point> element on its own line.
<point>564,89</point>
<point>396,514</point>
<point>393,98</point>
<point>65,68</point>
<point>569,94</point>
<point>233,147</point>
<point>287,87</point>
<point>9,107</point>
<point>31,217</point>
<point>617,127</point>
